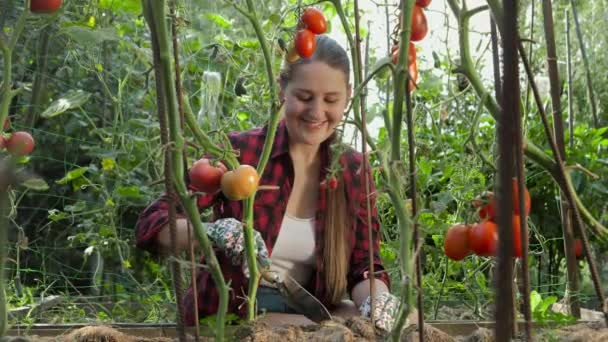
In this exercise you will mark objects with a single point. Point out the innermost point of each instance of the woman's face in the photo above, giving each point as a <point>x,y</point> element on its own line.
<point>315,100</point>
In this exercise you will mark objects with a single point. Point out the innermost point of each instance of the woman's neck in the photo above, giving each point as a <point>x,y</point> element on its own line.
<point>304,155</point>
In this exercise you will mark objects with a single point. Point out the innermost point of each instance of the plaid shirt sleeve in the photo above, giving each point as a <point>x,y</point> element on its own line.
<point>156,216</point>
<point>359,264</point>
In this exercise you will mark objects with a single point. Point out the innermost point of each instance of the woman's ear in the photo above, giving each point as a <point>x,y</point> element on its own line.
<point>349,91</point>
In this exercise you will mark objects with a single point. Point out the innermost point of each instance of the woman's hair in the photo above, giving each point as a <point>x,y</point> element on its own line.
<point>336,244</point>
<point>337,223</point>
<point>328,51</point>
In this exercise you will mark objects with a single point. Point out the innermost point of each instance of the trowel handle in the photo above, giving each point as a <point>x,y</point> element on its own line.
<point>270,276</point>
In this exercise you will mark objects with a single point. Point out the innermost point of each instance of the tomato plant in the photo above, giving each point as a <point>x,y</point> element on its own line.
<point>483,238</point>
<point>206,177</point>
<point>7,124</point>
<point>423,3</point>
<point>456,243</point>
<point>240,183</point>
<point>314,20</point>
<point>419,24</point>
<point>305,43</point>
<point>45,6</point>
<point>2,142</point>
<point>20,143</point>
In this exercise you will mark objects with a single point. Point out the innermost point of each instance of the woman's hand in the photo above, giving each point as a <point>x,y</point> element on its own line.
<point>386,307</point>
<point>228,235</point>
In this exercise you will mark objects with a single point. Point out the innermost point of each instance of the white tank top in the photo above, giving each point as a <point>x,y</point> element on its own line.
<point>294,251</point>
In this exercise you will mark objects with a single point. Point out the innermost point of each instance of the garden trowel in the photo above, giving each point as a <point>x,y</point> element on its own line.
<point>298,298</point>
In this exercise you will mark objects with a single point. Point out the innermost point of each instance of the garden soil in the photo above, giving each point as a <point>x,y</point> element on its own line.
<point>353,329</point>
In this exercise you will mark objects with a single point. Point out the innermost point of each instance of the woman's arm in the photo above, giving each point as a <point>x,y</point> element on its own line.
<point>361,290</point>
<point>183,230</point>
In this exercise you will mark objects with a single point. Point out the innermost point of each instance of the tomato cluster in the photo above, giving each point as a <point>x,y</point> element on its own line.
<point>236,185</point>
<point>311,23</point>
<point>482,238</point>
<point>419,30</point>
<point>19,143</point>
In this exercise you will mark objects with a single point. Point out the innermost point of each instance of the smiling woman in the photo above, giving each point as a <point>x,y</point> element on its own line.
<point>306,231</point>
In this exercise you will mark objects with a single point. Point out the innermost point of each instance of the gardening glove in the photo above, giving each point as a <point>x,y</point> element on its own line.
<point>228,235</point>
<point>386,308</point>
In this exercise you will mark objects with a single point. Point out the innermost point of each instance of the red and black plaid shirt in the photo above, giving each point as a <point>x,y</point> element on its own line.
<point>269,209</point>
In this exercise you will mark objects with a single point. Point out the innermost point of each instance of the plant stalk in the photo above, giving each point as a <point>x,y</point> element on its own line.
<point>558,131</point>
<point>154,12</point>
<point>581,43</point>
<point>506,139</point>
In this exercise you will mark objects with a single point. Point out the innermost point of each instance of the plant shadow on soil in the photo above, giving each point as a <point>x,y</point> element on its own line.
<point>352,329</point>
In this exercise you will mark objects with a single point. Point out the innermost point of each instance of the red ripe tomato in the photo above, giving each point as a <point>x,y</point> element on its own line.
<point>314,20</point>
<point>7,124</point>
<point>517,237</point>
<point>20,144</point>
<point>411,54</point>
<point>578,248</point>
<point>206,177</point>
<point>483,238</point>
<point>305,43</point>
<point>332,183</point>
<point>527,201</point>
<point>423,3</point>
<point>488,211</point>
<point>419,25</point>
<point>45,6</point>
<point>241,183</point>
<point>456,243</point>
<point>413,72</point>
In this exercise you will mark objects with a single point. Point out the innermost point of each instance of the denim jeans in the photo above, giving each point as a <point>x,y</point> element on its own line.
<point>269,299</point>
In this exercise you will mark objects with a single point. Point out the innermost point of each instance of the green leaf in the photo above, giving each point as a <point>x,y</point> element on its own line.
<point>37,184</point>
<point>72,99</point>
<point>128,191</point>
<point>129,6</point>
<point>219,20</point>
<point>74,174</point>
<point>242,116</point>
<point>546,303</point>
<point>249,43</point>
<point>56,215</point>
<point>535,300</point>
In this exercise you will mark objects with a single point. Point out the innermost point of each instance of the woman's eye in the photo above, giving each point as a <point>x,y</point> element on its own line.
<point>331,100</point>
<point>304,98</point>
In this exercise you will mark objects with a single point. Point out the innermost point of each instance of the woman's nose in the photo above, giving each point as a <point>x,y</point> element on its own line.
<point>317,109</point>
